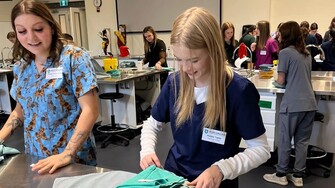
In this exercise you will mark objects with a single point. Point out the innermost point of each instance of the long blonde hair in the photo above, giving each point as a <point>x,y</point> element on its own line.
<point>196,28</point>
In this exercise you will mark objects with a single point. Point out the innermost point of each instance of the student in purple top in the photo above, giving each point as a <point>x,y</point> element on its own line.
<point>205,99</point>
<point>266,48</point>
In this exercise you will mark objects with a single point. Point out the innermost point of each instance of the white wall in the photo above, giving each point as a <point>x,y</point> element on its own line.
<point>239,12</point>
<point>5,25</point>
<point>250,13</point>
<point>300,10</point>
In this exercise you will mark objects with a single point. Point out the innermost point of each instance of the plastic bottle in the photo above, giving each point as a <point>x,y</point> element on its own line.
<point>275,73</point>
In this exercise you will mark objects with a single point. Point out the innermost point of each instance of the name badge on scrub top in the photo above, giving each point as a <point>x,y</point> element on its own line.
<point>54,73</point>
<point>263,52</point>
<point>214,136</point>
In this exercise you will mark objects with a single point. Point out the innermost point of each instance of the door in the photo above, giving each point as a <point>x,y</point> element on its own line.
<point>73,21</point>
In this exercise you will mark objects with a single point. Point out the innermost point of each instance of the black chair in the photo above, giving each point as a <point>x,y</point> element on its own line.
<point>115,131</point>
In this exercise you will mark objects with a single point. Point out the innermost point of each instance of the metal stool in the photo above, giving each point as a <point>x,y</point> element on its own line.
<point>314,154</point>
<point>114,129</point>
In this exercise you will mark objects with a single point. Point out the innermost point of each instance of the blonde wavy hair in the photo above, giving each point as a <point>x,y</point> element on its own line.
<point>196,28</point>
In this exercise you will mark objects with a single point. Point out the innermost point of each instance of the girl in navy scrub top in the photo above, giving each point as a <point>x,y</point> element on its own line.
<point>207,109</point>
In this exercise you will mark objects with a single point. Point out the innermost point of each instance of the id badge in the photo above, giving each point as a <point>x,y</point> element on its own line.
<point>263,52</point>
<point>214,136</point>
<point>53,73</point>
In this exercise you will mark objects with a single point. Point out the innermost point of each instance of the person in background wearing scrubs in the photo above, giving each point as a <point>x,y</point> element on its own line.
<point>68,39</point>
<point>298,106</point>
<point>249,36</point>
<point>266,48</point>
<point>11,36</point>
<point>55,88</point>
<point>327,37</point>
<point>205,99</point>
<point>329,48</point>
<point>154,52</point>
<point>230,43</point>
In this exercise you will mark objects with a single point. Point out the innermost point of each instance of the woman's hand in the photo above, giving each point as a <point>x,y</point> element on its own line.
<point>52,163</point>
<point>253,46</point>
<point>210,178</point>
<point>149,160</point>
<point>158,65</point>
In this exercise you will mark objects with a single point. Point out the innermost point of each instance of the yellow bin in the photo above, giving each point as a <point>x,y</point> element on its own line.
<point>110,64</point>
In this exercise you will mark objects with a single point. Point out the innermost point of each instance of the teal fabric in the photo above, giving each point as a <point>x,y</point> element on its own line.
<point>163,68</point>
<point>4,150</point>
<point>154,177</point>
<point>278,85</point>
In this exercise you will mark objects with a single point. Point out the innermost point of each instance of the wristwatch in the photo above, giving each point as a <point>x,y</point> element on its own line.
<point>97,3</point>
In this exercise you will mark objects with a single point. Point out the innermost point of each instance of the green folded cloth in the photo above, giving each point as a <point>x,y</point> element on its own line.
<point>4,150</point>
<point>163,68</point>
<point>114,72</point>
<point>154,177</point>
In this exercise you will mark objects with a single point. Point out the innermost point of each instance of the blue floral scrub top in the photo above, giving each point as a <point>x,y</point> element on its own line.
<point>50,105</point>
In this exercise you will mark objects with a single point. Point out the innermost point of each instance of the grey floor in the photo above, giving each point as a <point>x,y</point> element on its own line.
<point>127,159</point>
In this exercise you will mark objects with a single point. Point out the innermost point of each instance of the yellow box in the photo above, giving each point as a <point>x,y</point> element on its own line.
<point>266,74</point>
<point>110,64</point>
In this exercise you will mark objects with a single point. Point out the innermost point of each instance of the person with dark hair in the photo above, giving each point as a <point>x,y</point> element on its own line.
<point>276,33</point>
<point>326,37</point>
<point>205,99</point>
<point>55,88</point>
<point>249,36</point>
<point>310,39</point>
<point>229,41</point>
<point>11,36</point>
<point>298,105</point>
<point>304,24</point>
<point>68,38</point>
<point>154,52</point>
<point>329,48</point>
<point>314,31</point>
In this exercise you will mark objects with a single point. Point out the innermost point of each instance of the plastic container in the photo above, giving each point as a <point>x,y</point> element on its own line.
<point>110,64</point>
<point>266,74</point>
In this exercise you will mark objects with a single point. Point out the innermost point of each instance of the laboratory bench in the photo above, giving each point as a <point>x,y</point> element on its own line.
<point>15,171</point>
<point>132,83</point>
<point>323,134</point>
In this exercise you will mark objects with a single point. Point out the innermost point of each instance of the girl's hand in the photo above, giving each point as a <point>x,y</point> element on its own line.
<point>52,163</point>
<point>149,160</point>
<point>210,178</point>
<point>158,66</point>
<point>253,46</point>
